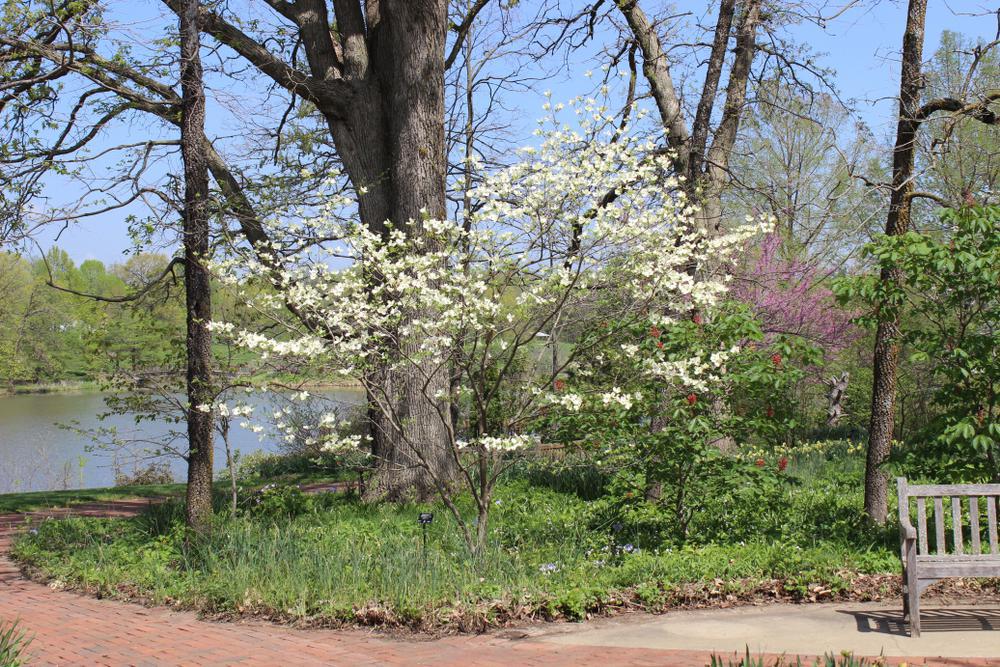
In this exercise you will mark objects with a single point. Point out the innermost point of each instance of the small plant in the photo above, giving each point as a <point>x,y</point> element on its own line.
<point>13,643</point>
<point>845,659</point>
<point>156,472</point>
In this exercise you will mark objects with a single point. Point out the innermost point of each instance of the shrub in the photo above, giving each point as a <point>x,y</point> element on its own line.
<point>156,472</point>
<point>13,644</point>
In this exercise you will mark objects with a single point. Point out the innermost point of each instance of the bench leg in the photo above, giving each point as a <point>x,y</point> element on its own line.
<point>911,601</point>
<point>912,604</point>
<point>906,597</point>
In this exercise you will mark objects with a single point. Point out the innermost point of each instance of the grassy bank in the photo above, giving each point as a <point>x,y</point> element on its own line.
<point>60,387</point>
<point>36,500</point>
<point>39,500</point>
<point>332,560</point>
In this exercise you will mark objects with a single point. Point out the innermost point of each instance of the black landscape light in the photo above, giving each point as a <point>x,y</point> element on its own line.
<point>423,519</point>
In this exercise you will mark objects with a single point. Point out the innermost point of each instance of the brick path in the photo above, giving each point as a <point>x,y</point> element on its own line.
<point>70,629</point>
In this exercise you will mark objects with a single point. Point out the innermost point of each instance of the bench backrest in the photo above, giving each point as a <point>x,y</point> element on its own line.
<point>967,511</point>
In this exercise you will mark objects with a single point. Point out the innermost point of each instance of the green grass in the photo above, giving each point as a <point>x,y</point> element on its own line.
<point>332,559</point>
<point>35,500</point>
<point>38,500</point>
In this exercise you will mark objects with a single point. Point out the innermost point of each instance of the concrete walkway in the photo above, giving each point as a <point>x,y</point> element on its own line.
<point>71,629</point>
<point>869,629</point>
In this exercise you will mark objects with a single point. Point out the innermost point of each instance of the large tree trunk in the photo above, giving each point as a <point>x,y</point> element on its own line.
<point>391,141</point>
<point>886,353</point>
<point>197,286</point>
<point>413,449</point>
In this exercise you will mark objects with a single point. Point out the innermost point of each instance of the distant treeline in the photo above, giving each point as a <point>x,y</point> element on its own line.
<point>47,334</point>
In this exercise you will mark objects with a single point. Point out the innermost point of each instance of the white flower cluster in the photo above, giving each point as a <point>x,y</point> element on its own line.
<point>499,444</point>
<point>617,397</point>
<point>699,371</point>
<point>581,217</point>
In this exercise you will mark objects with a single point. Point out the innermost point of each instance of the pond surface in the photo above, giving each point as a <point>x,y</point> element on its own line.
<point>37,455</point>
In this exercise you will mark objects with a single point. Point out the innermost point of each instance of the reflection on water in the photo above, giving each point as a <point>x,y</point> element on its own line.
<point>36,454</point>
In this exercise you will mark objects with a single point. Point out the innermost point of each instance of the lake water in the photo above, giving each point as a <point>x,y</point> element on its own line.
<point>37,455</point>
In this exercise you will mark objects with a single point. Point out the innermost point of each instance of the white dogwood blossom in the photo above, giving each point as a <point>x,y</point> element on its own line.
<point>590,220</point>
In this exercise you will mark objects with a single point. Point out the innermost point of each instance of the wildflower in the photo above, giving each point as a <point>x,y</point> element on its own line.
<point>628,548</point>
<point>782,463</point>
<point>692,399</point>
<point>655,332</point>
<point>770,412</point>
<point>776,359</point>
<point>696,318</point>
<point>559,385</point>
<point>760,463</point>
<point>548,568</point>
<point>659,344</point>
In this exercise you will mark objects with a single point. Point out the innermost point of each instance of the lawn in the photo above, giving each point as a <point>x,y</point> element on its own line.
<point>39,500</point>
<point>553,553</point>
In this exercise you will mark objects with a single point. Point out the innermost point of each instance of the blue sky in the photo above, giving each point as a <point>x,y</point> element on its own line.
<point>861,46</point>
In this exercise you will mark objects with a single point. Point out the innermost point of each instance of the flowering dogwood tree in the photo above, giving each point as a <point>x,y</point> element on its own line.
<point>587,225</point>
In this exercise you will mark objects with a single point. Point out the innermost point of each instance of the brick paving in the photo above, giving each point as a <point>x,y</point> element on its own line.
<point>71,629</point>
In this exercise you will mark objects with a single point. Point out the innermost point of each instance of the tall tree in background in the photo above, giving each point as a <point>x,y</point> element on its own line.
<point>197,284</point>
<point>703,163</point>
<point>885,357</point>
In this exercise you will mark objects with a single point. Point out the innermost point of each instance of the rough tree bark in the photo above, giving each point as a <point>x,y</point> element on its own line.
<point>886,353</point>
<point>197,286</point>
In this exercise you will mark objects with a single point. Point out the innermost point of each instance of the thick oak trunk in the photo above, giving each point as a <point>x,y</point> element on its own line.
<point>886,353</point>
<point>197,285</point>
<point>391,142</point>
<point>413,448</point>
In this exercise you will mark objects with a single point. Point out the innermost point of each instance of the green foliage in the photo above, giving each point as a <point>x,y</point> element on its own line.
<point>666,448</point>
<point>49,335</point>
<point>331,558</point>
<point>13,644</point>
<point>948,300</point>
<point>829,660</point>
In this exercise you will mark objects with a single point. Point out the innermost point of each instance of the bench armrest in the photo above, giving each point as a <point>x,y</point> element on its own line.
<point>906,530</point>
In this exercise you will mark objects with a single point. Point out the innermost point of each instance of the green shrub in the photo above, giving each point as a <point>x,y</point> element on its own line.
<point>13,644</point>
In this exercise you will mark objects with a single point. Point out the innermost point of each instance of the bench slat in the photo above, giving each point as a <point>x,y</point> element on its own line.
<point>922,525</point>
<point>956,524</point>
<point>991,517</point>
<point>974,524</point>
<point>930,490</point>
<point>939,525</point>
<point>958,569</point>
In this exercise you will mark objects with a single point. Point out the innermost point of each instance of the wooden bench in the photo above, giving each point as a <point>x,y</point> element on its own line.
<point>972,524</point>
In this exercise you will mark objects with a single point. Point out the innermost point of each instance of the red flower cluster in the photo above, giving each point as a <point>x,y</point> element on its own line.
<point>776,359</point>
<point>696,318</point>
<point>659,344</point>
<point>770,412</point>
<point>655,332</point>
<point>782,463</point>
<point>760,463</point>
<point>692,399</point>
<point>559,385</point>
